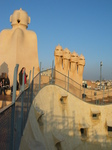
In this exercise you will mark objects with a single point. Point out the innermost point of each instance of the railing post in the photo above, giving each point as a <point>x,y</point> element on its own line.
<point>13,108</point>
<point>15,83</point>
<point>28,91</point>
<point>33,74</point>
<point>22,99</point>
<point>12,127</point>
<point>65,83</point>
<point>103,93</point>
<point>68,81</point>
<point>40,77</point>
<point>91,95</point>
<point>29,78</point>
<point>84,91</point>
<point>108,94</point>
<point>80,92</point>
<point>23,79</point>
<point>32,84</point>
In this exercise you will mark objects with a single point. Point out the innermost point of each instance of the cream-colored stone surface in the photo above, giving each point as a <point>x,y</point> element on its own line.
<point>18,45</point>
<point>61,123</point>
<point>66,61</point>
<point>4,103</point>
<point>44,79</point>
<point>8,92</point>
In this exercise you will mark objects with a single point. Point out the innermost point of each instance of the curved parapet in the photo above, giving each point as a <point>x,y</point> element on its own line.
<point>19,45</point>
<point>75,125</point>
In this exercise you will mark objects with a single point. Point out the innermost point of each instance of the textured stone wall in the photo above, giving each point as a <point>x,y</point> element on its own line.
<point>64,120</point>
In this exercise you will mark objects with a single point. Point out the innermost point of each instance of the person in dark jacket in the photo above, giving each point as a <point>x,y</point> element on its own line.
<point>7,82</point>
<point>4,85</point>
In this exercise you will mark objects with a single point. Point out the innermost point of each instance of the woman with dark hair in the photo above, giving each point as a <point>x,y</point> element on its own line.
<point>21,76</point>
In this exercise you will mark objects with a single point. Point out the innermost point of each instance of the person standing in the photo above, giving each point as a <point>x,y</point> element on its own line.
<point>23,70</point>
<point>4,84</point>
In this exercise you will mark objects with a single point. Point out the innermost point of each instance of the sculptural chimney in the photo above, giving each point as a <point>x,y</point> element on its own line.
<point>19,45</point>
<point>66,61</point>
<point>58,53</point>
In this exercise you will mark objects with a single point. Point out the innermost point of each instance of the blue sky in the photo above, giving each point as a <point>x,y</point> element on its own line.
<point>84,26</point>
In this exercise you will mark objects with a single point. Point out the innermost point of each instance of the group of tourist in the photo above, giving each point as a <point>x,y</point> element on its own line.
<point>5,82</point>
